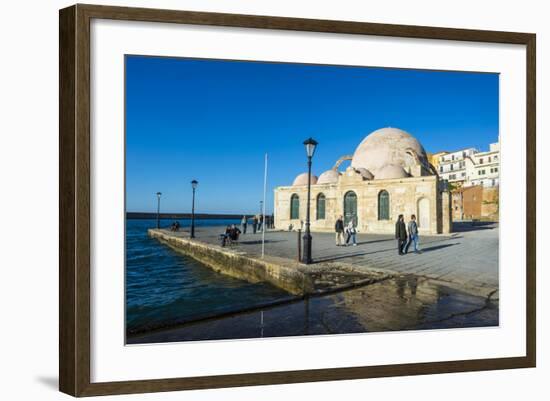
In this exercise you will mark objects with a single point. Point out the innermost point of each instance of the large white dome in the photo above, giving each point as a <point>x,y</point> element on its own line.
<point>302,179</point>
<point>388,146</point>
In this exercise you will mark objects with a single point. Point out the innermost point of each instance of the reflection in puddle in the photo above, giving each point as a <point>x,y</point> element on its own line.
<point>401,303</point>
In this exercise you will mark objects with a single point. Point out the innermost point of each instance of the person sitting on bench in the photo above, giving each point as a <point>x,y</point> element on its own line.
<point>224,237</point>
<point>234,233</point>
<point>231,235</point>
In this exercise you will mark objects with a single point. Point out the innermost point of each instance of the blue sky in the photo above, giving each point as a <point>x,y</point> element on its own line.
<point>213,121</point>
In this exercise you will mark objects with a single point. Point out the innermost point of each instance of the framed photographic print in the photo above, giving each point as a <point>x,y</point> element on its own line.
<point>250,200</point>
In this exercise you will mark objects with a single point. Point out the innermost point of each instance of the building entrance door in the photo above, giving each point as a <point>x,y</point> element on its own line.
<point>423,213</point>
<point>350,208</point>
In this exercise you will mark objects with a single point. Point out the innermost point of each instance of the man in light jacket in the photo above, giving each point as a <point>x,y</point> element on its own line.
<point>351,233</point>
<point>412,228</point>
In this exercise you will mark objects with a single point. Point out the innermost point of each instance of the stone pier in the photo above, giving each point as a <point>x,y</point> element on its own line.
<point>284,273</point>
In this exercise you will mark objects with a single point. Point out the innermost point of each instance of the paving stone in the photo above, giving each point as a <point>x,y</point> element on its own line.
<point>468,257</point>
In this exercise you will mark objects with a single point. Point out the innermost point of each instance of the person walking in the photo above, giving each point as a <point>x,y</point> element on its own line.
<point>260,222</point>
<point>412,228</point>
<point>351,233</point>
<point>339,228</point>
<point>254,224</point>
<point>400,234</point>
<point>244,223</point>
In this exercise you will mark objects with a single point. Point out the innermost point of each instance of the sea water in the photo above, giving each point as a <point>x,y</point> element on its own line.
<point>165,287</point>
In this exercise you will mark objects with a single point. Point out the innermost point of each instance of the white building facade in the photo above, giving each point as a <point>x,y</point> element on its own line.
<point>454,166</point>
<point>486,167</point>
<point>470,167</point>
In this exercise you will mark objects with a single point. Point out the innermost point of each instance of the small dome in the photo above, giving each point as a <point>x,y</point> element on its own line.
<point>388,146</point>
<point>302,179</point>
<point>366,174</point>
<point>328,177</point>
<point>391,171</point>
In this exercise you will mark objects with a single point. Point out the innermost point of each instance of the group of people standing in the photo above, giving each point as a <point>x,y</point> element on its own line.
<point>349,230</point>
<point>406,234</point>
<point>257,223</point>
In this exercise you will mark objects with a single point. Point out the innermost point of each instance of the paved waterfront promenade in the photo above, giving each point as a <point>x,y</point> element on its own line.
<point>453,283</point>
<point>467,258</point>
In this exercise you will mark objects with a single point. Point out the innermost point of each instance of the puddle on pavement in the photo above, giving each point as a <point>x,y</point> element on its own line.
<point>401,303</point>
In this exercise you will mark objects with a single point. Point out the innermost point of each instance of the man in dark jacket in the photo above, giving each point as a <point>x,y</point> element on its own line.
<point>400,234</point>
<point>234,233</point>
<point>254,224</point>
<point>339,228</point>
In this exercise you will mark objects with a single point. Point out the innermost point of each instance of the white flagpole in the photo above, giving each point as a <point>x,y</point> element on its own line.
<point>263,206</point>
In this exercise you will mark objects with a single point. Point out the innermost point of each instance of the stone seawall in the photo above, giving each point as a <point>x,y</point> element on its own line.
<point>277,271</point>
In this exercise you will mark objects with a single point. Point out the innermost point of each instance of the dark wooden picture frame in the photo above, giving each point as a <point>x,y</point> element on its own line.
<point>74,203</point>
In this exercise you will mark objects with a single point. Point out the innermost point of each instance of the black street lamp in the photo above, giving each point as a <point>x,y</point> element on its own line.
<point>310,145</point>
<point>194,184</point>
<point>158,209</point>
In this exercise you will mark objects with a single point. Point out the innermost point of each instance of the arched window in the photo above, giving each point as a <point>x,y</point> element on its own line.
<point>294,207</point>
<point>383,205</point>
<point>321,207</point>
<point>350,207</point>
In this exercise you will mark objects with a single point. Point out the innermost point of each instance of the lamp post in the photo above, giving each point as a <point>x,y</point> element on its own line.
<point>262,222</point>
<point>194,185</point>
<point>158,209</point>
<point>310,145</point>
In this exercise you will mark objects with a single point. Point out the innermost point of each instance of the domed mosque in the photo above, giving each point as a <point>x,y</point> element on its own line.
<point>389,174</point>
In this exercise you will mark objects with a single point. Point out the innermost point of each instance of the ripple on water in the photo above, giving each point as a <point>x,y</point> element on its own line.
<point>164,287</point>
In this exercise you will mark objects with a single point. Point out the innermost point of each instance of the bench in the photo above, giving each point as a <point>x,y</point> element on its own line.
<point>226,240</point>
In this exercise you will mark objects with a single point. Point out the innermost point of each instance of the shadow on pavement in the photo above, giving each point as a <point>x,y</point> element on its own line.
<point>256,242</point>
<point>464,226</point>
<point>393,249</point>
<point>437,247</point>
<point>351,255</point>
<point>374,241</point>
